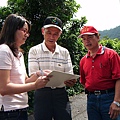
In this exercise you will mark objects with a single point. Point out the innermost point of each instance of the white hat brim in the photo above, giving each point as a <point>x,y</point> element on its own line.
<point>88,33</point>
<point>51,25</point>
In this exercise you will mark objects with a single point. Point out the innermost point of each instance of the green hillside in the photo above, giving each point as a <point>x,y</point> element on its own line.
<point>112,33</point>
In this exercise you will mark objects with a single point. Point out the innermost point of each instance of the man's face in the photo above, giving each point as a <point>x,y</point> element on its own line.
<point>51,35</point>
<point>90,41</point>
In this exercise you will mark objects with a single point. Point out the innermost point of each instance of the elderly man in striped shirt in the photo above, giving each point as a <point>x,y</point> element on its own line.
<point>51,102</point>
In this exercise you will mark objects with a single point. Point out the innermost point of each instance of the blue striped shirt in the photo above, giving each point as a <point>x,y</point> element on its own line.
<point>41,58</point>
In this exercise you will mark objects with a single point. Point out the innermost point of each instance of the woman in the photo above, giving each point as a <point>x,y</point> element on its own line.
<point>14,83</point>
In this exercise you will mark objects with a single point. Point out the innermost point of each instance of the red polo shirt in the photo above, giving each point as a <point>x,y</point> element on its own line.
<point>100,72</point>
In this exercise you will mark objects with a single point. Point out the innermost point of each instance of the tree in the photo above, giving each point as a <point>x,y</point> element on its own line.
<point>36,11</point>
<point>111,43</point>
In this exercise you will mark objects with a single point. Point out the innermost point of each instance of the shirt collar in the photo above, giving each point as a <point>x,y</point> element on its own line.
<point>101,50</point>
<point>47,50</point>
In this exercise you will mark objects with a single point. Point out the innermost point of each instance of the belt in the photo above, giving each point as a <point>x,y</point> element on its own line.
<point>17,110</point>
<point>50,88</point>
<point>54,88</point>
<point>99,92</point>
<point>9,114</point>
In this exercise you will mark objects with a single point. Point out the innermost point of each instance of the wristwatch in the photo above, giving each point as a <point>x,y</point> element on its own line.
<point>117,103</point>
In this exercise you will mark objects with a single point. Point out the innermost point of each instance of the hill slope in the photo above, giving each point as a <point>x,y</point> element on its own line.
<point>112,33</point>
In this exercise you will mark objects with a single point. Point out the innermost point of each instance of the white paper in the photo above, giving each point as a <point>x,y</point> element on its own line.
<point>58,78</point>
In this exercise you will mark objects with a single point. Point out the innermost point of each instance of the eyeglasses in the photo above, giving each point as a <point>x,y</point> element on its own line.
<point>25,31</point>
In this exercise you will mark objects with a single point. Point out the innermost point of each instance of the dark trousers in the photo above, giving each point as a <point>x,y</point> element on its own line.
<point>52,103</point>
<point>14,115</point>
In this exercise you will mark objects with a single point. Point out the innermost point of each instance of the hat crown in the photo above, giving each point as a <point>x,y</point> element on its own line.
<point>88,29</point>
<point>53,21</point>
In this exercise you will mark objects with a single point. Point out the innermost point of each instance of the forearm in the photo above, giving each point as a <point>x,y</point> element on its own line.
<point>12,88</point>
<point>114,107</point>
<point>37,74</point>
<point>32,78</point>
<point>117,91</point>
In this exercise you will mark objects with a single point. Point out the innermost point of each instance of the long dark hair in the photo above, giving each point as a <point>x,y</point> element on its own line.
<point>7,36</point>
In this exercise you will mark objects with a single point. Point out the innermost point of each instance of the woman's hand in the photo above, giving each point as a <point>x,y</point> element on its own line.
<point>43,72</point>
<point>41,82</point>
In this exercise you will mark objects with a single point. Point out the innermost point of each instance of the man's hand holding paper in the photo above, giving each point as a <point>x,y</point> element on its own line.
<point>70,83</point>
<point>58,78</point>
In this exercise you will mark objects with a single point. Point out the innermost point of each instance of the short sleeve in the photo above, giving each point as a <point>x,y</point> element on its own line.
<point>5,57</point>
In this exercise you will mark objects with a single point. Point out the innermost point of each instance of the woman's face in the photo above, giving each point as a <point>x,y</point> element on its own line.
<point>21,35</point>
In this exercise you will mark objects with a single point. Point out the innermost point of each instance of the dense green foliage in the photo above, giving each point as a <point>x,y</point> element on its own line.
<point>111,43</point>
<point>37,10</point>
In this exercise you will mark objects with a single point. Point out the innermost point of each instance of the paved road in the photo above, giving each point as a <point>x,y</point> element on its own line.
<point>78,106</point>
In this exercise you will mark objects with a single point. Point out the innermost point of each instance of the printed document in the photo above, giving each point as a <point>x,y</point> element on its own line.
<point>58,78</point>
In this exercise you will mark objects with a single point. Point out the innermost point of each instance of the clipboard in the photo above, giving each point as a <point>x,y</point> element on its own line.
<point>58,78</point>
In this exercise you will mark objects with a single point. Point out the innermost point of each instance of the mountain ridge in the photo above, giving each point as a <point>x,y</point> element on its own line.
<point>111,33</point>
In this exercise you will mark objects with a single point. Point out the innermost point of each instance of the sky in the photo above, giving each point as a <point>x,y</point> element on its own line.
<point>102,14</point>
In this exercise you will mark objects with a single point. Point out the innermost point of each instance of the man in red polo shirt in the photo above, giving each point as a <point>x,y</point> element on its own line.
<point>100,75</point>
